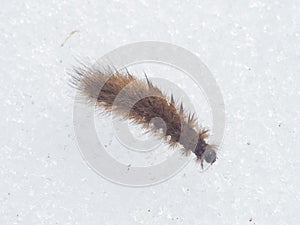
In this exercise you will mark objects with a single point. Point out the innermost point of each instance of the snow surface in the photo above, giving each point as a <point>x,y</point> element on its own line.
<point>251,47</point>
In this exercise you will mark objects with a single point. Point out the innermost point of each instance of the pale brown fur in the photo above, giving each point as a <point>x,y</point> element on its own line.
<point>117,91</point>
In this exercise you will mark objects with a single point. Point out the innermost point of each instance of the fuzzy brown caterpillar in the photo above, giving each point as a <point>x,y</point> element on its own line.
<point>103,87</point>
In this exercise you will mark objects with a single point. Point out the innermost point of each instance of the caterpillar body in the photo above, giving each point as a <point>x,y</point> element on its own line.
<point>147,101</point>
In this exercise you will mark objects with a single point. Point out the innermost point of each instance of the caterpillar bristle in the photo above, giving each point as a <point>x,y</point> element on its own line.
<point>172,100</point>
<point>203,133</point>
<point>181,109</point>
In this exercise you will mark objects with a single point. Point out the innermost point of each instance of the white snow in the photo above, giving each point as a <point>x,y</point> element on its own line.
<point>251,47</point>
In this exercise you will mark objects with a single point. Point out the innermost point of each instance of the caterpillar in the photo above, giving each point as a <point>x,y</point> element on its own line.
<point>103,86</point>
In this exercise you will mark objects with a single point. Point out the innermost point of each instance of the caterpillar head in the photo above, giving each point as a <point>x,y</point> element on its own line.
<point>205,152</point>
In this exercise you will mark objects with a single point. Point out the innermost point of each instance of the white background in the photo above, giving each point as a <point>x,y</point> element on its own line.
<point>252,49</point>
